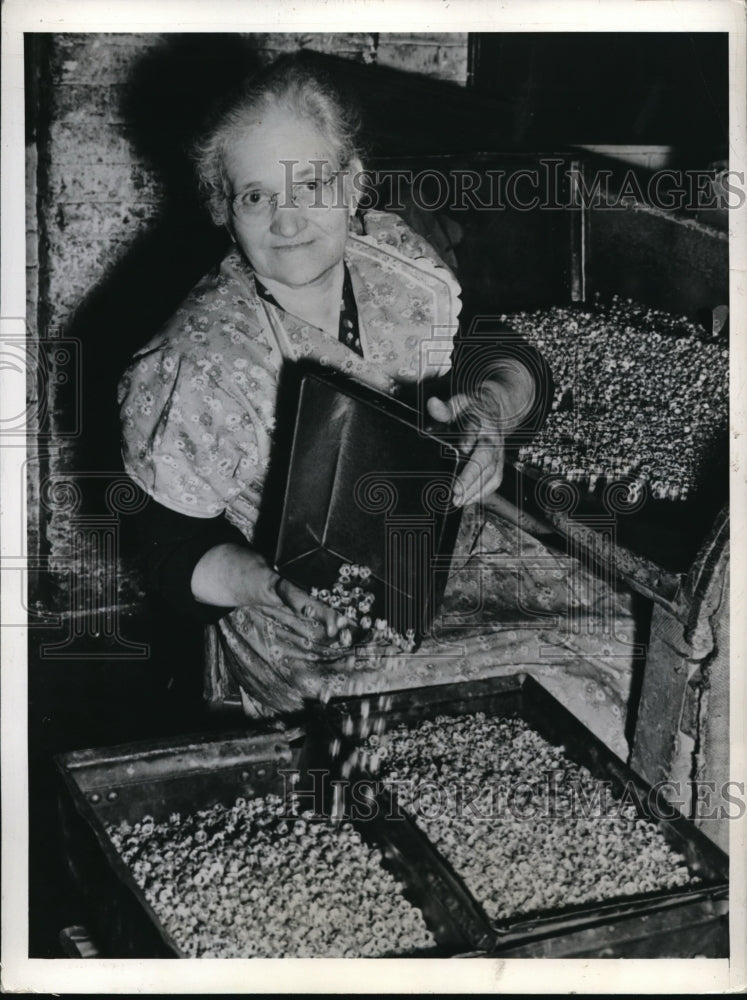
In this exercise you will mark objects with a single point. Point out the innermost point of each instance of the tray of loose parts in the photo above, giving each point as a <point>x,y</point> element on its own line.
<point>201,847</point>
<point>638,426</point>
<point>565,850</point>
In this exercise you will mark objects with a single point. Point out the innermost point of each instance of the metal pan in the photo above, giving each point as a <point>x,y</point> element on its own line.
<point>658,923</point>
<point>157,778</point>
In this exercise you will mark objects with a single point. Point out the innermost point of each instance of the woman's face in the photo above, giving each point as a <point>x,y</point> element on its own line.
<point>292,244</point>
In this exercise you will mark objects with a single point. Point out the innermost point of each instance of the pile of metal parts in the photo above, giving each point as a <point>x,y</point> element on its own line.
<point>640,395</point>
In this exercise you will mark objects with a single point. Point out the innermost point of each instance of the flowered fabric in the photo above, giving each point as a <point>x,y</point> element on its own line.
<point>198,402</point>
<point>198,409</point>
<point>348,332</point>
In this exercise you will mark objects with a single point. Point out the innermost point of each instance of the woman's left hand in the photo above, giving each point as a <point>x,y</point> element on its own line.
<point>483,441</point>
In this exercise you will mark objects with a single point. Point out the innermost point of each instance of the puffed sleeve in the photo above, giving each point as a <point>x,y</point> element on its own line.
<point>390,229</point>
<point>189,439</point>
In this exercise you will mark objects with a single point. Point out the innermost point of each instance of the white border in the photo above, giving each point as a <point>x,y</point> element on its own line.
<point>19,974</point>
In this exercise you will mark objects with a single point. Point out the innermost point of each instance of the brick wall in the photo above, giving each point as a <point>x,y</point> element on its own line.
<point>115,238</point>
<point>438,55</point>
<point>100,192</point>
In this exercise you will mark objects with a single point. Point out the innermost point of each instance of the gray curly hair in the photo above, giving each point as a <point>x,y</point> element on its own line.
<point>286,85</point>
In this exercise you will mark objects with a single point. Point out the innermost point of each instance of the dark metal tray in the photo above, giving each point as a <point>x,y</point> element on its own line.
<point>158,778</point>
<point>367,485</point>
<point>666,923</point>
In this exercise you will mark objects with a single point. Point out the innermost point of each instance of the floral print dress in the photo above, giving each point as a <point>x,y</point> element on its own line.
<point>198,409</point>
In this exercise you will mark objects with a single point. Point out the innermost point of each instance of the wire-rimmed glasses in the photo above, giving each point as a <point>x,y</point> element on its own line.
<point>257,204</point>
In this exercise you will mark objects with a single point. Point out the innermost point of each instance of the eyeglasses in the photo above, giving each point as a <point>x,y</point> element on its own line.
<point>257,205</point>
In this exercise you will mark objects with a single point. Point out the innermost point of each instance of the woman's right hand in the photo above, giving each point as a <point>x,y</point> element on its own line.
<point>309,608</point>
<point>230,575</point>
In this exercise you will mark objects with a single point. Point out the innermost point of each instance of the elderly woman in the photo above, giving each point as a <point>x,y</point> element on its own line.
<point>310,278</point>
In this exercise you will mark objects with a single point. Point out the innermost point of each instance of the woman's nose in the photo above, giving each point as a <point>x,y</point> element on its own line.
<point>287,221</point>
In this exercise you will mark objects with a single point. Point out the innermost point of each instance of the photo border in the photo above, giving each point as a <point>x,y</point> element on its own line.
<point>21,974</point>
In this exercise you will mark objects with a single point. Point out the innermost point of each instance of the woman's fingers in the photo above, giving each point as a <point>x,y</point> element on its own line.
<point>457,410</point>
<point>447,412</point>
<point>309,608</point>
<point>483,472</point>
<point>332,621</point>
<point>481,475</point>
